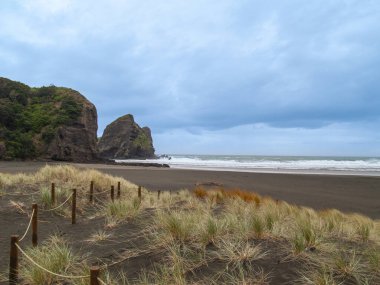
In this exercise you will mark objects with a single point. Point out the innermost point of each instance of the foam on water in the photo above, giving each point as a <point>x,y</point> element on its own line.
<point>357,164</point>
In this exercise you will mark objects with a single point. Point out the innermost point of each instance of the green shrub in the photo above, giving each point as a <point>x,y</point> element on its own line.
<point>26,114</point>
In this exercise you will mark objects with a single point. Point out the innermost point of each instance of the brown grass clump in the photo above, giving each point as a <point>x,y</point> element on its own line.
<point>246,196</point>
<point>200,192</point>
<point>220,194</point>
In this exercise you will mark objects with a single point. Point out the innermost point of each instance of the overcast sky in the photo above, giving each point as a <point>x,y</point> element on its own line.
<point>274,77</point>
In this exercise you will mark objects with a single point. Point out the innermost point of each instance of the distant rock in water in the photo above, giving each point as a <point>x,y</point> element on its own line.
<point>46,123</point>
<point>124,138</point>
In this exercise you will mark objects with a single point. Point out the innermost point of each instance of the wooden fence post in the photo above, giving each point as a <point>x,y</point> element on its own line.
<point>35,225</point>
<point>158,194</point>
<point>118,190</point>
<point>73,207</point>
<point>139,192</point>
<point>94,274</point>
<point>112,193</point>
<point>13,261</point>
<point>52,194</point>
<point>91,191</point>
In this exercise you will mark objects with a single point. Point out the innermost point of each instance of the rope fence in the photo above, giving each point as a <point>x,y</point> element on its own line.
<point>15,247</point>
<point>47,270</point>
<point>53,209</point>
<point>20,194</point>
<point>99,193</point>
<point>27,229</point>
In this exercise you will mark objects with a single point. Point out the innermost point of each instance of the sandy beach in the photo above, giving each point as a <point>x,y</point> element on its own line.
<point>348,193</point>
<point>127,243</point>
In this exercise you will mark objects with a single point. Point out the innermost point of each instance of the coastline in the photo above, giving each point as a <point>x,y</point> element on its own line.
<point>362,166</point>
<point>348,193</point>
<point>286,171</point>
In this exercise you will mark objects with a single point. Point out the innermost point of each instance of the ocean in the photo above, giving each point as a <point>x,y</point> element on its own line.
<point>286,164</point>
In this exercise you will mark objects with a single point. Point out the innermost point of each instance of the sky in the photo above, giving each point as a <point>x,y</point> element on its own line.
<point>251,77</point>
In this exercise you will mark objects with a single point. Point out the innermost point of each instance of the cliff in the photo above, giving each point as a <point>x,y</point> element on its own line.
<point>123,138</point>
<point>46,123</point>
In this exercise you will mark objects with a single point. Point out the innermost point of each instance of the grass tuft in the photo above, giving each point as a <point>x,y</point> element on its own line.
<point>54,255</point>
<point>121,210</point>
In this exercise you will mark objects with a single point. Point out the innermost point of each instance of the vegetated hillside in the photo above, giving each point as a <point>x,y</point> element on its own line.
<point>48,122</point>
<point>124,138</point>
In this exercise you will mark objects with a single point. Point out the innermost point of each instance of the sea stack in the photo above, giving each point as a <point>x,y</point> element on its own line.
<point>124,138</point>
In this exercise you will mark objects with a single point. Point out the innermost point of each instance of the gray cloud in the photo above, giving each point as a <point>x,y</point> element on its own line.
<point>203,65</point>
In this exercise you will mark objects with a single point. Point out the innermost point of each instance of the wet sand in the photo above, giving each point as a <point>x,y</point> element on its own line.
<point>348,193</point>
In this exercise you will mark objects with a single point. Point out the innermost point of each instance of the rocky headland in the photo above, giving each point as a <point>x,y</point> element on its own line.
<point>57,123</point>
<point>46,123</point>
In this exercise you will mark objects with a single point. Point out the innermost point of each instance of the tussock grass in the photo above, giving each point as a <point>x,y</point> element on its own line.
<point>193,230</point>
<point>349,266</point>
<point>239,253</point>
<point>210,230</point>
<point>221,194</point>
<point>373,255</point>
<point>176,225</point>
<point>320,276</point>
<point>243,276</point>
<point>45,196</point>
<point>122,210</point>
<point>55,255</point>
<point>98,236</point>
<point>65,176</point>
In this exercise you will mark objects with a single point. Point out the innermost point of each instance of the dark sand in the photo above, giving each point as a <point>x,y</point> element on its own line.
<point>348,193</point>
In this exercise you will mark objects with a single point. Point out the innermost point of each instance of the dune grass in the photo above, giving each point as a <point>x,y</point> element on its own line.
<point>122,210</point>
<point>54,255</point>
<point>65,177</point>
<point>230,230</point>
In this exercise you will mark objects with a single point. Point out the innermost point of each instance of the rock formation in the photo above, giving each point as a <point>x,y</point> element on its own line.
<point>46,123</point>
<point>77,141</point>
<point>124,138</point>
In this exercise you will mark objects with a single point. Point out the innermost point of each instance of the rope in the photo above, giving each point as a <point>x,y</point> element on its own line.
<point>48,271</point>
<point>105,266</point>
<point>59,205</point>
<point>101,281</point>
<point>20,194</point>
<point>27,229</point>
<point>101,192</point>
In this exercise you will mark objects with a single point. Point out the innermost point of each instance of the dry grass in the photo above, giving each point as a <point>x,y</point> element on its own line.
<point>98,236</point>
<point>230,226</point>
<point>122,210</point>
<point>239,253</point>
<point>220,194</point>
<point>65,177</point>
<point>54,255</point>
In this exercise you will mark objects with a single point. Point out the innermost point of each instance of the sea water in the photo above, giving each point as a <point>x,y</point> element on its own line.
<point>255,163</point>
